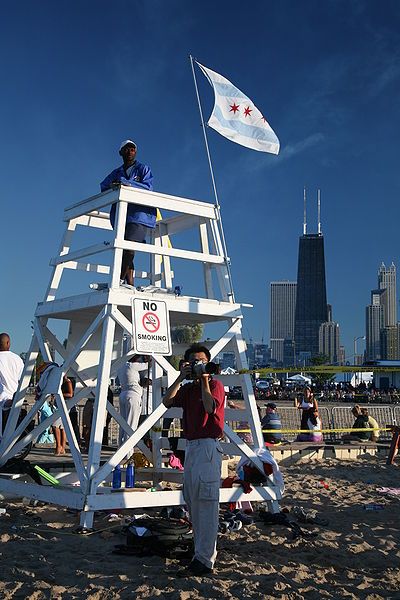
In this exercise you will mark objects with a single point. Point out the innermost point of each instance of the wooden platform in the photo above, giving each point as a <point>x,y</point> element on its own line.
<point>286,454</point>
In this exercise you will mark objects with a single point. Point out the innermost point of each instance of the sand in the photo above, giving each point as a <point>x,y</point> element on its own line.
<point>356,556</point>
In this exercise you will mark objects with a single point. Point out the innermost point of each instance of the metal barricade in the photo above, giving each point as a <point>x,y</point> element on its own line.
<point>343,418</point>
<point>396,415</point>
<point>291,419</point>
<point>113,427</point>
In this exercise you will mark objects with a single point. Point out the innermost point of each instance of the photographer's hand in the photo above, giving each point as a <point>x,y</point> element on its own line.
<point>206,396</point>
<point>185,370</point>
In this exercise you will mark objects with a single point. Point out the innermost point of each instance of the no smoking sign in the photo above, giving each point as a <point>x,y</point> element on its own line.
<point>151,330</point>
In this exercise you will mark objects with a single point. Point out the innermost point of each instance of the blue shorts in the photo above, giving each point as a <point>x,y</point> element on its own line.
<point>134,232</point>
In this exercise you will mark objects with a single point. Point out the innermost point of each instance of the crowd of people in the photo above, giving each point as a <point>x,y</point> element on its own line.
<point>334,393</point>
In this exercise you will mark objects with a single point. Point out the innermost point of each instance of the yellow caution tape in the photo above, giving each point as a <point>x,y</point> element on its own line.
<point>341,430</point>
<point>323,369</point>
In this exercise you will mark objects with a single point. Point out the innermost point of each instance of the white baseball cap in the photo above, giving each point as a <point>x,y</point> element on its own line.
<point>124,143</point>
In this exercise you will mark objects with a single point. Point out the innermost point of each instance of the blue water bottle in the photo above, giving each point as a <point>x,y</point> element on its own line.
<point>130,476</point>
<point>116,480</point>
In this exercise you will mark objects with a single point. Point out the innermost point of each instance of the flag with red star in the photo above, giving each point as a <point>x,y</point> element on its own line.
<point>235,117</point>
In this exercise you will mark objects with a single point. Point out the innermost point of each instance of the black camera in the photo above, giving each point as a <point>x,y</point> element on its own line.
<point>198,368</point>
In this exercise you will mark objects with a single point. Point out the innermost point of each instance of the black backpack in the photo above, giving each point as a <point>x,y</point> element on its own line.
<point>163,537</point>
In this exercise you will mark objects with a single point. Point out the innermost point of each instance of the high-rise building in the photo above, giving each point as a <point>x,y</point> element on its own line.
<point>311,305</point>
<point>250,352</point>
<point>398,341</point>
<point>329,341</point>
<point>390,343</point>
<point>387,281</point>
<point>289,353</point>
<point>342,355</point>
<point>282,312</point>
<point>228,360</point>
<point>262,355</point>
<point>258,355</point>
<point>374,323</point>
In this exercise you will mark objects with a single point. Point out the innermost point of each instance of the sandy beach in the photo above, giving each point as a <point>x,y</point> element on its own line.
<point>355,556</point>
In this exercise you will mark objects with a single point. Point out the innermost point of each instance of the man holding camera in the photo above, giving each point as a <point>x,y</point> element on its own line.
<point>202,402</point>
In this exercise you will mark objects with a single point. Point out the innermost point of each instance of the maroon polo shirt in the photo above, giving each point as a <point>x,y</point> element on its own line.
<point>197,423</point>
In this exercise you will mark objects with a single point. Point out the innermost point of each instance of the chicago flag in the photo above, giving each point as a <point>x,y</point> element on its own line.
<point>235,117</point>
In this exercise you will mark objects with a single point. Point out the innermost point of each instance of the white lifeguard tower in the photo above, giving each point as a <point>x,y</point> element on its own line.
<point>99,320</point>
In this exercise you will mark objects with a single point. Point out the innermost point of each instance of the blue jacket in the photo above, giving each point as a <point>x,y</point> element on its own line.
<point>140,177</point>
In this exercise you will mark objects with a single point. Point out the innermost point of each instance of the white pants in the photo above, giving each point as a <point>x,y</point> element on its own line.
<point>130,406</point>
<point>201,483</point>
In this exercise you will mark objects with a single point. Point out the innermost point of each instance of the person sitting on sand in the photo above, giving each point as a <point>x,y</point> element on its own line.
<point>314,424</point>
<point>271,420</point>
<point>361,422</point>
<point>310,418</point>
<point>372,424</point>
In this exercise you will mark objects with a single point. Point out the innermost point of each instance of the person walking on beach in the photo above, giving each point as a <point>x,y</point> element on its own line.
<point>139,219</point>
<point>202,401</point>
<point>11,367</point>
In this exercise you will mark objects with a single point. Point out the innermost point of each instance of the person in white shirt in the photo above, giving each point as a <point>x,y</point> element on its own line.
<point>130,398</point>
<point>11,367</point>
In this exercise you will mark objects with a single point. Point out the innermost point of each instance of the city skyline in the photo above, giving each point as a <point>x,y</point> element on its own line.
<point>381,326</point>
<point>382,330</point>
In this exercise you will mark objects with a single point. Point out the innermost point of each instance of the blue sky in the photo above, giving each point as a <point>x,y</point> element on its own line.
<point>79,77</point>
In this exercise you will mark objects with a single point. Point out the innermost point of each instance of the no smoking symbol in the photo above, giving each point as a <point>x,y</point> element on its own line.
<point>151,322</point>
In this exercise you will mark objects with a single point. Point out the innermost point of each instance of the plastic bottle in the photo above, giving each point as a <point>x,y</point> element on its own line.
<point>116,480</point>
<point>98,286</point>
<point>130,476</point>
<point>374,506</point>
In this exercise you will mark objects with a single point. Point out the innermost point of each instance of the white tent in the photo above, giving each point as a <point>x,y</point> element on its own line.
<point>299,379</point>
<point>362,377</point>
<point>228,371</point>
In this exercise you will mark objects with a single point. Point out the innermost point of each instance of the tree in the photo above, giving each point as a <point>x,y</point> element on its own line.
<point>184,334</point>
<point>320,379</point>
<point>187,334</point>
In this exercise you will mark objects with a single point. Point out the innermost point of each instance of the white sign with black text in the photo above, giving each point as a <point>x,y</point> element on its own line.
<point>151,330</point>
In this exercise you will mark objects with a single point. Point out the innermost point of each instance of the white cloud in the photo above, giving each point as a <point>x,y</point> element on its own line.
<point>292,149</point>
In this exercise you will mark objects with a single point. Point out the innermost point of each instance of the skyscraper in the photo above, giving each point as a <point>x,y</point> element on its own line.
<point>390,343</point>
<point>329,341</point>
<point>387,281</point>
<point>311,306</point>
<point>374,323</point>
<point>282,311</point>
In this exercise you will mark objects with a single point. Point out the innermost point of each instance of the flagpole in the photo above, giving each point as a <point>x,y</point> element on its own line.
<point>217,204</point>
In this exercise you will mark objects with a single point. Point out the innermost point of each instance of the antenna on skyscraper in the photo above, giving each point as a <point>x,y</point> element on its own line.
<point>319,211</point>
<point>305,212</point>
